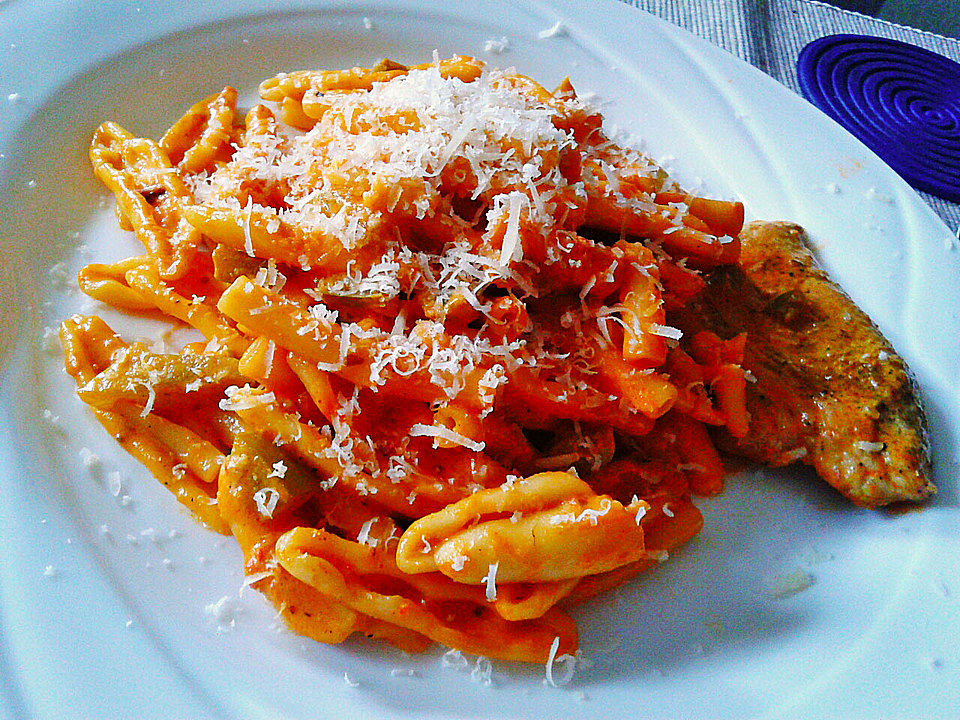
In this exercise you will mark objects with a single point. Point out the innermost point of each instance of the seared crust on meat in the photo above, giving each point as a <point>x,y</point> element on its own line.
<point>830,391</point>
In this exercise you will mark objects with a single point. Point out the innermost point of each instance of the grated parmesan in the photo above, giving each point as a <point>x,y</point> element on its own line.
<point>666,331</point>
<point>558,29</point>
<point>438,431</point>
<point>567,663</point>
<point>363,537</point>
<point>266,501</point>
<point>496,46</point>
<point>454,659</point>
<point>482,671</point>
<point>491,581</point>
<point>641,511</point>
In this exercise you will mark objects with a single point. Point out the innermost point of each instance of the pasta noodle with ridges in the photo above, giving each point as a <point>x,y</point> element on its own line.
<point>437,398</point>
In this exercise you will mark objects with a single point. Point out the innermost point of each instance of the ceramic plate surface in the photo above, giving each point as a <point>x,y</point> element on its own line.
<point>114,603</point>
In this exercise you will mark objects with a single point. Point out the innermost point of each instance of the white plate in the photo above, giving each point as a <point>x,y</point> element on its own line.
<point>104,605</point>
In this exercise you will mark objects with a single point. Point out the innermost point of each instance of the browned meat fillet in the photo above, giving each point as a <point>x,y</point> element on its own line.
<point>830,391</point>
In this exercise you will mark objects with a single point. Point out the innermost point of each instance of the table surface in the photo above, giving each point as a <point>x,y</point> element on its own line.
<point>769,34</point>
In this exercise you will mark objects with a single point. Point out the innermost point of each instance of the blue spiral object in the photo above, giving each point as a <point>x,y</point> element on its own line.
<point>901,101</point>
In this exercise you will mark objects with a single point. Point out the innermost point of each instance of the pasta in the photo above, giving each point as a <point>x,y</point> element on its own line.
<point>437,398</point>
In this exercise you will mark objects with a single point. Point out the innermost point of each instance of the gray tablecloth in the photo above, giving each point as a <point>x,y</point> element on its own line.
<point>769,34</point>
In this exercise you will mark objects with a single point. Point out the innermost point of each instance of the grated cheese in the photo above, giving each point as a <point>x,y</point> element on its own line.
<point>247,239</point>
<point>232,402</point>
<point>482,672</point>
<point>454,658</point>
<point>491,580</point>
<point>496,46</point>
<point>511,250</point>
<point>438,431</point>
<point>253,579</point>
<point>558,29</point>
<point>666,331</point>
<point>224,612</point>
<point>151,398</point>
<point>114,483</point>
<point>568,666</point>
<point>363,537</point>
<point>266,501</point>
<point>502,135</point>
<point>591,515</point>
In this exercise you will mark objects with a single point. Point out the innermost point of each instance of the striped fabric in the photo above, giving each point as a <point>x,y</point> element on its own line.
<point>769,34</point>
